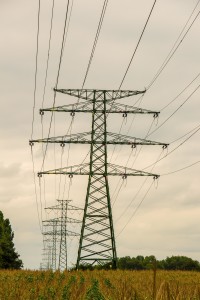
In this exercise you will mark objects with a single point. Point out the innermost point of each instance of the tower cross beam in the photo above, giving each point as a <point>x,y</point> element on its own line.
<point>111,170</point>
<point>88,94</point>
<point>112,138</point>
<point>87,107</point>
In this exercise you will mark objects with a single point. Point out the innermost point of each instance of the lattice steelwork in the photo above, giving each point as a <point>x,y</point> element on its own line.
<point>50,229</point>
<point>58,231</point>
<point>97,239</point>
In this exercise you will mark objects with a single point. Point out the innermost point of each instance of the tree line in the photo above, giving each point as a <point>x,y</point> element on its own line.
<point>148,262</point>
<point>9,258</point>
<point>181,263</point>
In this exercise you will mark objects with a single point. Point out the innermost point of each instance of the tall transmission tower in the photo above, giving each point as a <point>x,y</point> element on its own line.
<point>50,237</point>
<point>57,230</point>
<point>97,240</point>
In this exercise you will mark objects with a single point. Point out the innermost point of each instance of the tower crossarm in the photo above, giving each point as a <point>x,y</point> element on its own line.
<point>85,138</point>
<point>59,221</point>
<point>111,107</point>
<point>112,170</point>
<point>60,233</point>
<point>88,94</point>
<point>69,207</point>
<point>75,107</point>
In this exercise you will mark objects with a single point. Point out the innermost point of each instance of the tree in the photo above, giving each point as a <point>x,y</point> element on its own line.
<point>181,263</point>
<point>149,262</point>
<point>9,258</point>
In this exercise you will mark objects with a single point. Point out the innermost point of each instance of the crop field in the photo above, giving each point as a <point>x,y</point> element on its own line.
<point>99,285</point>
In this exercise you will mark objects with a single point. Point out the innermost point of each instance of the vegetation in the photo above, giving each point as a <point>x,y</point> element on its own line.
<point>9,258</point>
<point>99,285</point>
<point>170,263</point>
<point>140,262</point>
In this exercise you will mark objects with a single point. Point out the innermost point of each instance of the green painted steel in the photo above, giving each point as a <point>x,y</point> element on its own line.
<point>57,229</point>
<point>97,239</point>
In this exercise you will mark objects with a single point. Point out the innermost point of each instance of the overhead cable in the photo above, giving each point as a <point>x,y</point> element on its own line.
<point>135,211</point>
<point>174,99</point>
<point>57,78</point>
<point>173,51</point>
<point>95,40</point>
<point>136,48</point>
<point>137,45</point>
<point>174,111</point>
<point>184,168</point>
<point>36,67</point>
<point>180,138</point>
<point>35,190</point>
<point>175,147</point>
<point>140,188</point>
<point>33,116</point>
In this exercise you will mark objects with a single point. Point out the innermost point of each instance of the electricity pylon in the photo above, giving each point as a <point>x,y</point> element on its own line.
<point>97,239</point>
<point>46,258</point>
<point>58,231</point>
<point>50,228</point>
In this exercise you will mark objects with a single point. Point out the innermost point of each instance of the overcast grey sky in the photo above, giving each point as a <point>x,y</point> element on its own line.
<point>167,222</point>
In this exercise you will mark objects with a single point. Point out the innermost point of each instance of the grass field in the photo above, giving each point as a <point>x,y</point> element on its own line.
<point>99,285</point>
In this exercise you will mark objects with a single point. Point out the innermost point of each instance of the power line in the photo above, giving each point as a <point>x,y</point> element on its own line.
<point>135,211</point>
<point>57,78</point>
<point>132,60</point>
<point>136,157</point>
<point>36,67</point>
<point>174,111</point>
<point>67,162</point>
<point>184,168</point>
<point>159,159</point>
<point>90,61</point>
<point>95,40</point>
<point>35,190</point>
<point>180,92</point>
<point>172,52</point>
<point>33,116</point>
<point>155,130</point>
<point>140,188</point>
<point>45,81</point>
<point>48,53</point>
<point>163,68</point>
<point>137,45</point>
<point>173,114</point>
<point>70,14</point>
<point>176,147</point>
<point>176,140</point>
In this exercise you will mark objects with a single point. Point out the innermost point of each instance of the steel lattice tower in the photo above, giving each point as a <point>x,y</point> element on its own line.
<point>51,227</point>
<point>58,231</point>
<point>97,239</point>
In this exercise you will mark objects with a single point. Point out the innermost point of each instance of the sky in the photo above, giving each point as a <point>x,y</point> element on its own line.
<point>162,218</point>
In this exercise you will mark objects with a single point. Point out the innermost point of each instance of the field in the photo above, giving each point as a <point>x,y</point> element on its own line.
<point>99,285</point>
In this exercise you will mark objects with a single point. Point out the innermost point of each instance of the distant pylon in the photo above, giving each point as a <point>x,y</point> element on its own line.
<point>57,229</point>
